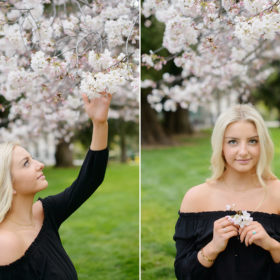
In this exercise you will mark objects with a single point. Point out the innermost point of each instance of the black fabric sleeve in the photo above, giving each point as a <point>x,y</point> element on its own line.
<point>274,232</point>
<point>91,175</point>
<point>187,266</point>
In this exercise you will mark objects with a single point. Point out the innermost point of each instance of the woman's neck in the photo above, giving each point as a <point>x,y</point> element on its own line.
<point>21,213</point>
<point>237,181</point>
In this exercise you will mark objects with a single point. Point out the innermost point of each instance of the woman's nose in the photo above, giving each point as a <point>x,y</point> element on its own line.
<point>40,165</point>
<point>243,149</point>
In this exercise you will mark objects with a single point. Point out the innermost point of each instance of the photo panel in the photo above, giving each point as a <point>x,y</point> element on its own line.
<point>69,117</point>
<point>209,121</point>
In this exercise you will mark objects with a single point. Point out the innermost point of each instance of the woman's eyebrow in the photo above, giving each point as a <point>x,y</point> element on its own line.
<point>25,158</point>
<point>256,136</point>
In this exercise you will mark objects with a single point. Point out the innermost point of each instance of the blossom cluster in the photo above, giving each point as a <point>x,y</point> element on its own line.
<point>242,218</point>
<point>222,47</point>
<point>93,84</point>
<point>52,51</point>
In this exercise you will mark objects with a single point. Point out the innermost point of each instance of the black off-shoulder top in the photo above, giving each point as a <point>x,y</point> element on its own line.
<point>46,259</point>
<point>238,262</point>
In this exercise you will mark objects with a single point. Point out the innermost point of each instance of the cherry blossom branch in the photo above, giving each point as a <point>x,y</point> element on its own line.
<point>49,51</point>
<point>268,9</point>
<point>84,38</point>
<point>157,50</point>
<point>54,12</point>
<point>130,33</point>
<point>85,3</point>
<point>79,6</point>
<point>120,61</point>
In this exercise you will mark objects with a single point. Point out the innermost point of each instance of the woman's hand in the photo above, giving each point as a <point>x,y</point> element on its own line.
<point>222,232</point>
<point>255,233</point>
<point>97,108</point>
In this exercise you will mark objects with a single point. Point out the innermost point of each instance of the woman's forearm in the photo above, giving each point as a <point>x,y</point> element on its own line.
<point>275,250</point>
<point>99,139</point>
<point>207,255</point>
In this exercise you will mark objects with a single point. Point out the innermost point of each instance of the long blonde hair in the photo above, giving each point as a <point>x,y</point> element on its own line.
<point>242,113</point>
<point>6,186</point>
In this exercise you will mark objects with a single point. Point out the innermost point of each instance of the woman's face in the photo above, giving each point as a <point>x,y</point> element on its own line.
<point>27,175</point>
<point>241,148</point>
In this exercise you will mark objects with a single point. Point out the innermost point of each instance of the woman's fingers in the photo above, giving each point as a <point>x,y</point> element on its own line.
<point>85,99</point>
<point>105,93</point>
<point>223,230</point>
<point>250,236</point>
<point>243,232</point>
<point>224,226</point>
<point>223,222</point>
<point>228,229</point>
<point>250,229</point>
<point>230,234</point>
<point>250,233</point>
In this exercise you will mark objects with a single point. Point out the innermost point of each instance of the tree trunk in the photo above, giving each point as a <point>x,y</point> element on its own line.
<point>151,129</point>
<point>177,122</point>
<point>63,155</point>
<point>123,140</point>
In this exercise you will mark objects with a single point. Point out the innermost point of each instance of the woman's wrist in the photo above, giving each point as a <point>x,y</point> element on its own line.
<point>211,251</point>
<point>207,255</point>
<point>98,124</point>
<point>273,246</point>
<point>99,136</point>
<point>274,250</point>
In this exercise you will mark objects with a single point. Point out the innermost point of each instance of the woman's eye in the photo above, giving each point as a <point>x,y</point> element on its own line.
<point>26,163</point>
<point>253,141</point>
<point>232,141</point>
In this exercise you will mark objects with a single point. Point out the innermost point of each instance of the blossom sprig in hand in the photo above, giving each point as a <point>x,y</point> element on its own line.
<point>241,218</point>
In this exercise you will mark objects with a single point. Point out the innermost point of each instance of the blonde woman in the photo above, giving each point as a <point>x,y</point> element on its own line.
<point>215,240</point>
<point>30,246</point>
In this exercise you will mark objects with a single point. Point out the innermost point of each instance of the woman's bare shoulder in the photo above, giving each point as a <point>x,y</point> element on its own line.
<point>195,198</point>
<point>273,187</point>
<point>10,247</point>
<point>274,183</point>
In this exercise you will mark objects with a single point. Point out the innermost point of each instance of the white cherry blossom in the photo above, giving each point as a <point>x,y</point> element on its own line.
<point>221,47</point>
<point>48,59</point>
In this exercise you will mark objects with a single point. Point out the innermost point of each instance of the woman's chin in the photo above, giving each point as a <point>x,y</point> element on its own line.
<point>43,186</point>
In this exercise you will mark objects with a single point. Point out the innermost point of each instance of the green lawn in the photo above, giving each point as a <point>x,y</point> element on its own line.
<point>166,174</point>
<point>102,237</point>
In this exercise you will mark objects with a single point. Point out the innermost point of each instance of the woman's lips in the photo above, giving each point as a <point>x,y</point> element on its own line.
<point>41,177</point>
<point>243,161</point>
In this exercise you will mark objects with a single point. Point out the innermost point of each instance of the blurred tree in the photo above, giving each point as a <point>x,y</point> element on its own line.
<point>152,131</point>
<point>158,128</point>
<point>63,154</point>
<point>4,111</point>
<point>120,133</point>
<point>50,53</point>
<point>269,92</point>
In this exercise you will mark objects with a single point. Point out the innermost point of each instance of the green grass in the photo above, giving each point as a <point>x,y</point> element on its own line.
<point>167,173</point>
<point>102,236</point>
